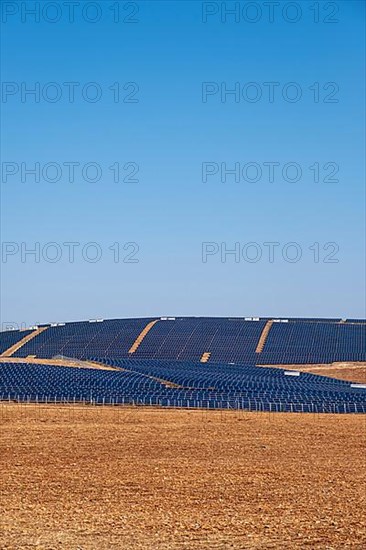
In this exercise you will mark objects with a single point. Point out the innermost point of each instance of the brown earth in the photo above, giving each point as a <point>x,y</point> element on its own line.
<point>80,478</point>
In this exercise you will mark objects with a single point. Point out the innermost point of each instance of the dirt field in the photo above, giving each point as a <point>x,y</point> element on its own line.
<point>97,478</point>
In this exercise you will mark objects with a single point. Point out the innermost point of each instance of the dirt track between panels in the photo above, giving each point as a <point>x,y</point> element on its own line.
<point>97,478</point>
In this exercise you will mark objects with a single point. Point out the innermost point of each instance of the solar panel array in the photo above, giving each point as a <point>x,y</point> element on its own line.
<point>80,339</point>
<point>299,342</point>
<point>291,341</point>
<point>10,337</point>
<point>181,384</point>
<point>227,340</point>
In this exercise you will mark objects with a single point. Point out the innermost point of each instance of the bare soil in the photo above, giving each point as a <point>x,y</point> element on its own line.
<point>80,478</point>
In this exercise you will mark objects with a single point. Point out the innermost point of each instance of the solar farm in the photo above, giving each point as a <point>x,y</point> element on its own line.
<point>184,432</point>
<point>186,362</point>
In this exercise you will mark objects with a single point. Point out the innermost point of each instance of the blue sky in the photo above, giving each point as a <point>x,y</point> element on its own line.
<point>165,135</point>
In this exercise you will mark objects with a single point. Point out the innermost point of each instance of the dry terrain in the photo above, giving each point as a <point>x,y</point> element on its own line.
<point>80,478</point>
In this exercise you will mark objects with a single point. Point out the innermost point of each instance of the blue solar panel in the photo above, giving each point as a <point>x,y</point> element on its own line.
<point>195,385</point>
<point>297,343</point>
<point>10,337</point>
<point>79,339</point>
<point>188,338</point>
<point>228,340</point>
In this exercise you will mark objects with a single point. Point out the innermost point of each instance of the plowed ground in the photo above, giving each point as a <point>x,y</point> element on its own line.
<point>107,479</point>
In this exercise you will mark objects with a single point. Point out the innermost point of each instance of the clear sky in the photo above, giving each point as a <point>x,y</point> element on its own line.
<point>149,94</point>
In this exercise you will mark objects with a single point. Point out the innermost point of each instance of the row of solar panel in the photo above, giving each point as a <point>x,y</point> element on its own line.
<point>226,340</point>
<point>247,387</point>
